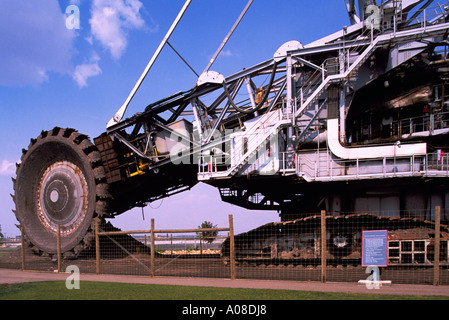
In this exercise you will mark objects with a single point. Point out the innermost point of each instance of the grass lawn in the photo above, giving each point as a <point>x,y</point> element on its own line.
<point>56,290</point>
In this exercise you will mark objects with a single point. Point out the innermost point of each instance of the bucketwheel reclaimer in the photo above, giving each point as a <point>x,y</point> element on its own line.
<point>357,121</point>
<point>64,179</point>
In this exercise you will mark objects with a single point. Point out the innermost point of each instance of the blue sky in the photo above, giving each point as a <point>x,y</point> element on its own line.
<point>54,76</point>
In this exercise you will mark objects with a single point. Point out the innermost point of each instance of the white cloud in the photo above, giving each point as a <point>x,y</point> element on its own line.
<point>111,19</point>
<point>226,53</point>
<point>7,168</point>
<point>86,71</point>
<point>34,42</point>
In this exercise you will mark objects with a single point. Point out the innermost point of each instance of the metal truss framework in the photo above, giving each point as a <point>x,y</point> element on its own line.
<point>312,69</point>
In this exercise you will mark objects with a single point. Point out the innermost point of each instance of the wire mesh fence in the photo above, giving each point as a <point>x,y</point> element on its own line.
<point>168,255</point>
<point>317,247</point>
<point>324,247</point>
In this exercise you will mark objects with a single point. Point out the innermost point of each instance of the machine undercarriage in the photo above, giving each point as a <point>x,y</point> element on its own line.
<point>355,122</point>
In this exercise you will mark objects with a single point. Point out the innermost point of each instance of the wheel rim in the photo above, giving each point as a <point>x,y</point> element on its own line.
<point>62,198</point>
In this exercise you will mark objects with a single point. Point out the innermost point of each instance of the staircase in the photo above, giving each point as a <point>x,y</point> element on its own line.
<point>315,86</point>
<point>256,137</point>
<point>266,126</point>
<point>321,83</point>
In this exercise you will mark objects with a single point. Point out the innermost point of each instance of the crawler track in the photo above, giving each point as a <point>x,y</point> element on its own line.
<point>297,242</point>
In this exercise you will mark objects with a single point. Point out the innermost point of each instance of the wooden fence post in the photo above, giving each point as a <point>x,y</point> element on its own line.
<point>22,246</point>
<point>58,244</point>
<point>97,245</point>
<point>231,247</point>
<point>436,267</point>
<point>152,248</point>
<point>323,247</point>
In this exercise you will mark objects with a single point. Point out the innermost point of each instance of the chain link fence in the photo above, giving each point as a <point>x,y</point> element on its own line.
<point>318,247</point>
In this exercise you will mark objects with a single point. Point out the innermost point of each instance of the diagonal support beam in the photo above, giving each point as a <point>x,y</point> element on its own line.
<point>121,112</point>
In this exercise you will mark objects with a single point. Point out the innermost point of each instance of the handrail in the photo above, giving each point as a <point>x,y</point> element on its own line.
<point>431,164</point>
<point>408,126</point>
<point>256,132</point>
<point>359,61</point>
<point>266,120</point>
<point>428,15</point>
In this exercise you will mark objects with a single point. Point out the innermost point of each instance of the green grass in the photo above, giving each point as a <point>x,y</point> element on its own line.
<point>56,290</point>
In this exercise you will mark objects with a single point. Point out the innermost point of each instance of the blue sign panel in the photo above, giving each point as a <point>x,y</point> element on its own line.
<point>375,248</point>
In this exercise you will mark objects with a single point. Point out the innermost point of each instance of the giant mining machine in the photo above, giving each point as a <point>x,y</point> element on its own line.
<point>355,123</point>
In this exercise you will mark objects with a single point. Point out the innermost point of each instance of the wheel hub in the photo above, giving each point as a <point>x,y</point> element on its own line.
<point>62,197</point>
<point>340,241</point>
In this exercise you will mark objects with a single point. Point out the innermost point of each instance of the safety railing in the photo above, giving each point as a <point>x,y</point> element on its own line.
<point>317,83</point>
<point>423,125</point>
<point>323,166</point>
<point>430,15</point>
<point>244,147</point>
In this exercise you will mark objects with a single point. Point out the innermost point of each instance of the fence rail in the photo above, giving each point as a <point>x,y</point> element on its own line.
<point>153,232</point>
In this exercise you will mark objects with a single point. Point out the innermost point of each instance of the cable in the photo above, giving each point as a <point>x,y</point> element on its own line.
<point>160,204</point>
<point>265,97</point>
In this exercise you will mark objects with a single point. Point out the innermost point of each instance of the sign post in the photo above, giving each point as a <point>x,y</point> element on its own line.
<point>374,256</point>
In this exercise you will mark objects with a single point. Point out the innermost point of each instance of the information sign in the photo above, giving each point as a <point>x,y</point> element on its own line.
<point>375,248</point>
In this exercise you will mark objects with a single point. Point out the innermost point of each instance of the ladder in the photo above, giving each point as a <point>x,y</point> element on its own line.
<point>258,135</point>
<point>321,83</point>
<point>271,122</point>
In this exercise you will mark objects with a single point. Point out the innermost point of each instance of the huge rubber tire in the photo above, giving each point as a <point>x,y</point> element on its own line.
<point>60,181</point>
